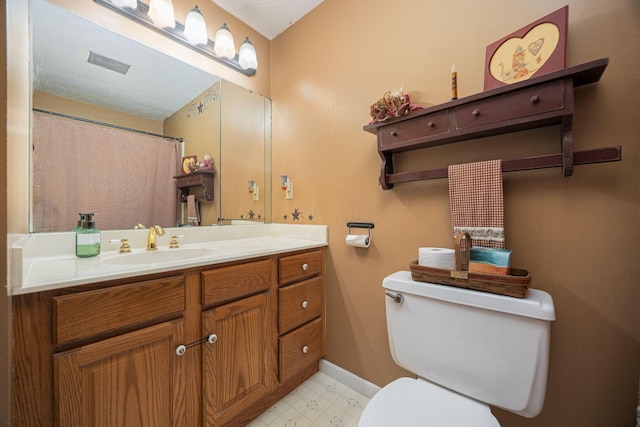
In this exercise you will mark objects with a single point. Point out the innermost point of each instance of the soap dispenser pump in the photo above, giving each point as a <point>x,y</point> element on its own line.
<point>87,236</point>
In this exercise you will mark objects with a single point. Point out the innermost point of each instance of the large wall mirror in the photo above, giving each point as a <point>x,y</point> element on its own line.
<point>113,120</point>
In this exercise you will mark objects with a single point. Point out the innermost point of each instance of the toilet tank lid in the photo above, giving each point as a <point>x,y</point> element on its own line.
<point>537,304</point>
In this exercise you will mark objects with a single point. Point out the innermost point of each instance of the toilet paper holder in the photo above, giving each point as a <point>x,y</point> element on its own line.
<point>368,225</point>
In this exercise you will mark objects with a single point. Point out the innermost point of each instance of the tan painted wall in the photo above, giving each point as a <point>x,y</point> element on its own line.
<point>576,235</point>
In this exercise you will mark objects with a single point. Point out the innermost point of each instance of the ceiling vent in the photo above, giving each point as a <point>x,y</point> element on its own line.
<point>108,63</point>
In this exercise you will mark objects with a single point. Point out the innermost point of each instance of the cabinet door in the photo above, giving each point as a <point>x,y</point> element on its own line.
<point>236,367</point>
<point>127,380</point>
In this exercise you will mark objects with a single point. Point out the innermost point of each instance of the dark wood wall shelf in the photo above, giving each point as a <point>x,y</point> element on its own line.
<point>540,101</point>
<point>202,178</point>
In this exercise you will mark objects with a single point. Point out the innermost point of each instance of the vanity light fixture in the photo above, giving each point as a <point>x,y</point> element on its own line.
<point>160,19</point>
<point>287,186</point>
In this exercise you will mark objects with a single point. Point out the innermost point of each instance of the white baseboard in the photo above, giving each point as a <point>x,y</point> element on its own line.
<point>349,379</point>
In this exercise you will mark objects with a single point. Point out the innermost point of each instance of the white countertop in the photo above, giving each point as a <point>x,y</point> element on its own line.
<point>47,261</point>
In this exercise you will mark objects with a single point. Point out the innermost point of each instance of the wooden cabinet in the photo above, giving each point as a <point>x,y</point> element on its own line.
<point>301,312</point>
<point>237,361</point>
<point>127,380</point>
<point>238,357</point>
<point>210,346</point>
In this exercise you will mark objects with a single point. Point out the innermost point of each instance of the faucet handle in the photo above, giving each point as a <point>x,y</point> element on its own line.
<point>139,226</point>
<point>174,241</point>
<point>124,245</point>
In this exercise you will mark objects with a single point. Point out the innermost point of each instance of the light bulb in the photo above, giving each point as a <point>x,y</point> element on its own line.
<point>224,46</point>
<point>161,13</point>
<point>195,28</point>
<point>247,55</point>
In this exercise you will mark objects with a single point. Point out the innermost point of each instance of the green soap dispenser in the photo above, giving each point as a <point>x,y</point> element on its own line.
<point>87,236</point>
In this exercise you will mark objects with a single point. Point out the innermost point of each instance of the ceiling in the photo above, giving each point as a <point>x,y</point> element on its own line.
<point>268,17</point>
<point>62,42</point>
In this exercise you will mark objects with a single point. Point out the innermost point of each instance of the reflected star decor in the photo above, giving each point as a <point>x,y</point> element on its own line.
<point>198,107</point>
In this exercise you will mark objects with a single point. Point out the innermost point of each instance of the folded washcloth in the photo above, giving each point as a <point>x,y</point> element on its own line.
<point>476,201</point>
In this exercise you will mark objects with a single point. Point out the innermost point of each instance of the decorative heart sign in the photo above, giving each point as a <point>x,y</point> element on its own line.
<point>535,49</point>
<point>519,58</point>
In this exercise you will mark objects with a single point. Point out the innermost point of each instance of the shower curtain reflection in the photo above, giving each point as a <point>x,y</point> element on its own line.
<point>127,177</point>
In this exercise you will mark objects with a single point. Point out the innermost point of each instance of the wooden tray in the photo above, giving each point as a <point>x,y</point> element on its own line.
<point>514,284</point>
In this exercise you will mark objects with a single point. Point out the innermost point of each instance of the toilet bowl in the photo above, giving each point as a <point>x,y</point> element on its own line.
<point>409,402</point>
<point>468,350</point>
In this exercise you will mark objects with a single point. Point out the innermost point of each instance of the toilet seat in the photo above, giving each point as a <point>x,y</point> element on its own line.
<point>410,402</point>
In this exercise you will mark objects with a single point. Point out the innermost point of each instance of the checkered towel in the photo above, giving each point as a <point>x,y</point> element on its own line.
<point>476,200</point>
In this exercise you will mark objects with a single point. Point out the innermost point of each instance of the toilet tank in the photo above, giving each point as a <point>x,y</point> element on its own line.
<point>489,347</point>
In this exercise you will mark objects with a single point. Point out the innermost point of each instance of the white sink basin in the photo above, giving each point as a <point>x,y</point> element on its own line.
<point>158,256</point>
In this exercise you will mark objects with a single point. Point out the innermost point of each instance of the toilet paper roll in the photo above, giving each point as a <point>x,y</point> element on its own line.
<point>358,240</point>
<point>444,258</point>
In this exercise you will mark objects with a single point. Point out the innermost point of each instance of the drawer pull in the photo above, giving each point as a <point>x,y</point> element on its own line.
<point>212,338</point>
<point>431,124</point>
<point>305,349</point>
<point>305,267</point>
<point>305,304</point>
<point>394,133</point>
<point>475,113</point>
<point>181,349</point>
<point>534,99</point>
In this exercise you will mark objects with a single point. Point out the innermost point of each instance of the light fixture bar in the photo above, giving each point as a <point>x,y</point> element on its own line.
<point>177,34</point>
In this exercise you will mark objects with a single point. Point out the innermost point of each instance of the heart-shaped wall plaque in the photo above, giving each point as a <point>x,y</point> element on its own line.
<point>537,49</point>
<point>518,58</point>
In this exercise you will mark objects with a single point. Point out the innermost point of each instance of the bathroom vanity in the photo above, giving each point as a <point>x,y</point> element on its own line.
<point>215,343</point>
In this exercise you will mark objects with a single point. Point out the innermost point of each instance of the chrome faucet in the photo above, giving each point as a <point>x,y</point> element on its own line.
<point>154,230</point>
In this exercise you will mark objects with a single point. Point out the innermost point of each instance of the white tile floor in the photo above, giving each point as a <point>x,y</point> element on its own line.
<point>319,401</point>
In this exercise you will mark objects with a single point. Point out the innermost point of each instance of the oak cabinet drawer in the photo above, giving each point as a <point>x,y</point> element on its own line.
<point>237,281</point>
<point>300,303</point>
<point>523,103</point>
<point>420,127</point>
<point>300,348</point>
<point>91,313</point>
<point>299,267</point>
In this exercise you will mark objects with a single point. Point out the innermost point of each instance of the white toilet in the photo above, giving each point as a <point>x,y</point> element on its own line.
<point>469,350</point>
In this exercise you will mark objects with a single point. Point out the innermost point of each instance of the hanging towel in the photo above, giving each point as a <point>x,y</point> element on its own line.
<point>193,216</point>
<point>476,201</point>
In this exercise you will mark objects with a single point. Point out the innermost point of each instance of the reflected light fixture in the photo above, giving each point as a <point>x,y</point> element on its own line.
<point>247,56</point>
<point>224,46</point>
<point>195,29</point>
<point>126,3</point>
<point>159,17</point>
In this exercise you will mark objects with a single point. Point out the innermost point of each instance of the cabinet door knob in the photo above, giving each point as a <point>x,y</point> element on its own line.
<point>475,113</point>
<point>212,338</point>
<point>534,99</point>
<point>431,124</point>
<point>305,267</point>
<point>305,304</point>
<point>305,349</point>
<point>181,349</point>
